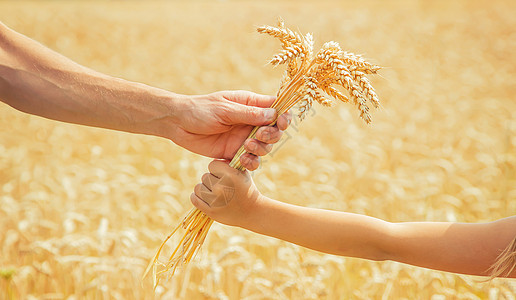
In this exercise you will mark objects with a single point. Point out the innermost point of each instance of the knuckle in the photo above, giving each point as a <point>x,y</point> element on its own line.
<point>276,136</point>
<point>204,177</point>
<point>267,134</point>
<point>244,160</point>
<point>197,189</point>
<point>251,146</point>
<point>195,200</point>
<point>252,112</point>
<point>264,149</point>
<point>253,163</point>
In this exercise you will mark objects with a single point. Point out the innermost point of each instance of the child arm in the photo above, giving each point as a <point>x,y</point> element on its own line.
<point>455,247</point>
<point>467,248</point>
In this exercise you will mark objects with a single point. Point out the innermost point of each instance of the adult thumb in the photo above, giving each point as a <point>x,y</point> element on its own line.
<point>250,115</point>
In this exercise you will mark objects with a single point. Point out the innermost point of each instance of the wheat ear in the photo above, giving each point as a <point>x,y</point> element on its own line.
<point>307,77</point>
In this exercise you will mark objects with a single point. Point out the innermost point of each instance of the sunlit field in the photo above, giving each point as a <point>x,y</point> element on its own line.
<point>83,210</point>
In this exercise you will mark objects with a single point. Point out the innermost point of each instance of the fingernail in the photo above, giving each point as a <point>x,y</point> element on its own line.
<point>251,146</point>
<point>265,136</point>
<point>269,114</point>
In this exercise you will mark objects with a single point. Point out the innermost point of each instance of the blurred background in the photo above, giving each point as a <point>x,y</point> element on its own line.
<point>83,210</point>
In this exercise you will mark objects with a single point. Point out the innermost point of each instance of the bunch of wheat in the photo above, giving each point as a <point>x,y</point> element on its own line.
<point>321,77</point>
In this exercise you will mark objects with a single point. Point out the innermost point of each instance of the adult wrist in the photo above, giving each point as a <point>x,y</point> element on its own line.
<point>168,109</point>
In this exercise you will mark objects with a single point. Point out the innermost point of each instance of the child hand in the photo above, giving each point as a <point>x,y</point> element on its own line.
<point>226,195</point>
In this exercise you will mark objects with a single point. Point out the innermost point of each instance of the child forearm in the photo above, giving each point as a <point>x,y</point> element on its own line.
<point>468,248</point>
<point>327,231</point>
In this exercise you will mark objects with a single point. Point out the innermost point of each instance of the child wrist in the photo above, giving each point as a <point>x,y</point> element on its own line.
<point>255,214</point>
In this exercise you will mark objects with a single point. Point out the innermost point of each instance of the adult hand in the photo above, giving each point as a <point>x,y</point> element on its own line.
<point>217,124</point>
<point>36,80</point>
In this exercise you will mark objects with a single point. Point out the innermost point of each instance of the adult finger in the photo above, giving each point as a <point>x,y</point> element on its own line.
<point>284,121</point>
<point>268,134</point>
<point>235,113</point>
<point>249,98</point>
<point>249,161</point>
<point>256,147</point>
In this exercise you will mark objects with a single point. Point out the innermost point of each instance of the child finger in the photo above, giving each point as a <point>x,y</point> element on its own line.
<point>199,203</point>
<point>209,180</point>
<point>204,194</point>
<point>219,168</point>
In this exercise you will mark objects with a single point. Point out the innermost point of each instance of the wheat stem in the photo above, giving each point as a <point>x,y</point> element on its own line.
<point>306,75</point>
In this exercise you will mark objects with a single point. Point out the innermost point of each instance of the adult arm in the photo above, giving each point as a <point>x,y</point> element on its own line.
<point>39,81</point>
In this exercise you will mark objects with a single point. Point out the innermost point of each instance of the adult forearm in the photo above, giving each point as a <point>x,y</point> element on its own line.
<point>39,81</point>
<point>327,231</point>
<point>89,99</point>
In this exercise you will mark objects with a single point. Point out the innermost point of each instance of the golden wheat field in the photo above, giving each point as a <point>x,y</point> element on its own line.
<point>83,210</point>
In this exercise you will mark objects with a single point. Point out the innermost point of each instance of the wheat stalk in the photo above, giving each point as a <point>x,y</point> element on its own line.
<point>308,77</point>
